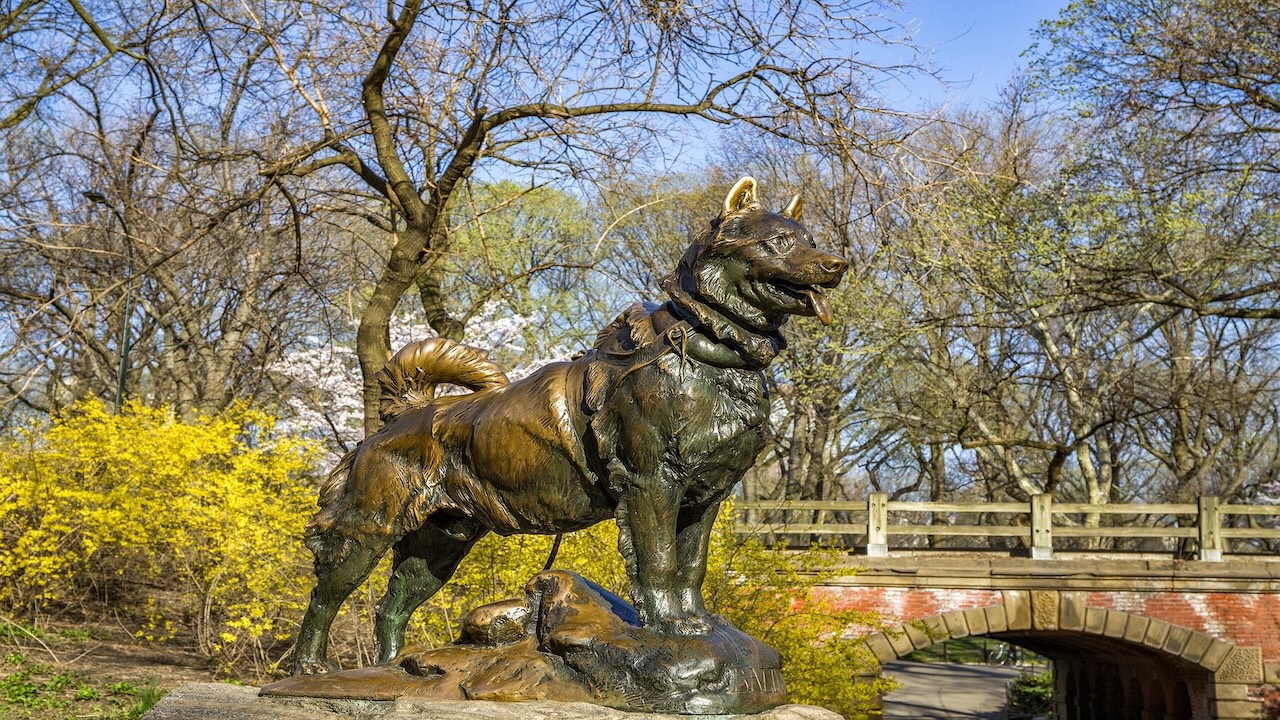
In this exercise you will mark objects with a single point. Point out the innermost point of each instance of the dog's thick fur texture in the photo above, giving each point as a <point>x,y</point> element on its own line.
<point>653,426</point>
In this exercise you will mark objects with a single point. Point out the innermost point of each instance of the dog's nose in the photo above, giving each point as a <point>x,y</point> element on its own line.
<point>834,264</point>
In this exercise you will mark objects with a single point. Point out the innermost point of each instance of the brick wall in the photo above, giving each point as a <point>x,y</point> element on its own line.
<point>1242,619</point>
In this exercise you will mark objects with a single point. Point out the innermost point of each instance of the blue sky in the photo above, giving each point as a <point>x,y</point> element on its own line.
<point>975,41</point>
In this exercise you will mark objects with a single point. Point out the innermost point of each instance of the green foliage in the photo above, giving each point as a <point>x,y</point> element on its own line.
<point>144,698</point>
<point>15,632</point>
<point>79,634</point>
<point>210,510</point>
<point>773,594</point>
<point>969,651</point>
<point>524,247</point>
<point>1032,693</point>
<point>976,650</point>
<point>33,691</point>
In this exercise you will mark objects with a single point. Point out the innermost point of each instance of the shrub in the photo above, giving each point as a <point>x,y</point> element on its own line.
<point>194,523</point>
<point>771,593</point>
<point>1032,693</point>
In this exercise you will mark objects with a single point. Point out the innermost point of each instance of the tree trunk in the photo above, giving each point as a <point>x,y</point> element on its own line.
<point>937,470</point>
<point>373,338</point>
<point>434,302</point>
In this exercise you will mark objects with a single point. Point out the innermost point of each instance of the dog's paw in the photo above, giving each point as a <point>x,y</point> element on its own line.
<point>719,621</point>
<point>308,666</point>
<point>685,626</point>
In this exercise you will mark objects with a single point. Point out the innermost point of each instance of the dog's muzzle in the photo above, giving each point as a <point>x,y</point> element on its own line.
<point>831,271</point>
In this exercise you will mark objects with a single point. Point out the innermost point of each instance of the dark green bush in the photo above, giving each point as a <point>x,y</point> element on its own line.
<point>1032,693</point>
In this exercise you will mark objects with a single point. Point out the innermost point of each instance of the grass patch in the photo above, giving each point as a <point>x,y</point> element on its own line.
<point>977,650</point>
<point>80,634</point>
<point>36,691</point>
<point>16,633</point>
<point>12,632</point>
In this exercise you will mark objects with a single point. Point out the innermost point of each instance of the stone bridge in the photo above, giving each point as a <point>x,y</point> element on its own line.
<point>1130,640</point>
<point>1176,620</point>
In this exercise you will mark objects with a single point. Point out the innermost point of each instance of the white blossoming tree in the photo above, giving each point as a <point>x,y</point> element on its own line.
<point>325,402</point>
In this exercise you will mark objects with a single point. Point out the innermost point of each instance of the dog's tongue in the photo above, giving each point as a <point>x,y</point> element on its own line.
<point>821,305</point>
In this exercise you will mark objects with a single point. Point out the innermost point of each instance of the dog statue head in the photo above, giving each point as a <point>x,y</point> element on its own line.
<point>752,269</point>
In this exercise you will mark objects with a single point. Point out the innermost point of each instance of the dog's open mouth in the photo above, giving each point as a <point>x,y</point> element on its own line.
<point>811,295</point>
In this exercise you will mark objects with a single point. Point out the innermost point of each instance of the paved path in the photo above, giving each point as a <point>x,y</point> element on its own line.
<point>946,691</point>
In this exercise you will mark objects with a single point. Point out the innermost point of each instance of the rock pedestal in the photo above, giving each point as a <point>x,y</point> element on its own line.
<point>568,640</point>
<point>210,701</point>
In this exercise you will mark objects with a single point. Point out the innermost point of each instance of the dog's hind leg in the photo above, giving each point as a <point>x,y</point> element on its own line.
<point>424,560</point>
<point>334,582</point>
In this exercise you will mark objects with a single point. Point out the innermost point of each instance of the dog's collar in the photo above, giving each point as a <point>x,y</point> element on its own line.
<point>755,350</point>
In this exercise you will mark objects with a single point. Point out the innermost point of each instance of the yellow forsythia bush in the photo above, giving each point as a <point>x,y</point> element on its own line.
<point>771,593</point>
<point>499,567</point>
<point>185,526</point>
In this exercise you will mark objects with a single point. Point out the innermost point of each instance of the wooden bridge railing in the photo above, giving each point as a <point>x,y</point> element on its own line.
<point>1033,527</point>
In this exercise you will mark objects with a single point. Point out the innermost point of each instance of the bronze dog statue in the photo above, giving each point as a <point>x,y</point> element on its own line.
<point>653,426</point>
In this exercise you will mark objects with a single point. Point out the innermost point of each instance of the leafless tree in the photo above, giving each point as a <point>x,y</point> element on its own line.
<point>1179,97</point>
<point>1203,67</point>
<point>144,259</point>
<point>998,372</point>
<point>543,88</point>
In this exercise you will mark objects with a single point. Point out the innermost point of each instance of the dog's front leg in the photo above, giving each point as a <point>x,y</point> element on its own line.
<point>647,513</point>
<point>693,539</point>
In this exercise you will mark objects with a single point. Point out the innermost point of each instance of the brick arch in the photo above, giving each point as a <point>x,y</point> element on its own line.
<point>1049,612</point>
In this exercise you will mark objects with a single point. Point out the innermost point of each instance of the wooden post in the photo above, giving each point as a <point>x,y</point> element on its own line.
<point>1041,527</point>
<point>878,525</point>
<point>1210,524</point>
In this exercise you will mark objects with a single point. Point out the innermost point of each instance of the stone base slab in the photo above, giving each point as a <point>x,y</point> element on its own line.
<point>213,701</point>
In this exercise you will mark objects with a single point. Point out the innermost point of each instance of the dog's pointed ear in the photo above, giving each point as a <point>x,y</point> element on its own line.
<point>741,196</point>
<point>793,208</point>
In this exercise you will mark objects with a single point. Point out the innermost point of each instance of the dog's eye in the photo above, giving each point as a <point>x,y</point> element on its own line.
<point>780,243</point>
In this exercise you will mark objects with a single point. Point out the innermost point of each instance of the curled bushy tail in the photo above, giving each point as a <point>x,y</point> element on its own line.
<point>410,377</point>
<point>369,493</point>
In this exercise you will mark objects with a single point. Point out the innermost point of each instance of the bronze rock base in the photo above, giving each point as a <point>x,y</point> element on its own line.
<point>568,640</point>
